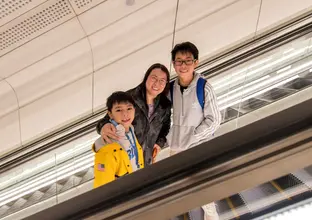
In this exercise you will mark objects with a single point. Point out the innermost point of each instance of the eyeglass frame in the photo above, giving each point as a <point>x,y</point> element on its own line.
<point>155,79</point>
<point>185,62</point>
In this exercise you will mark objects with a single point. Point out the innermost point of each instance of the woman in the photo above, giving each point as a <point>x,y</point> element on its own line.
<point>152,112</point>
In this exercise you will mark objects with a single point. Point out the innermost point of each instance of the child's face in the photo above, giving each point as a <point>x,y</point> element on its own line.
<point>184,64</point>
<point>156,82</point>
<point>122,113</point>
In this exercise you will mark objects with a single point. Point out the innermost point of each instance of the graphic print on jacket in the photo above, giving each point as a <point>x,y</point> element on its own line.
<point>191,123</point>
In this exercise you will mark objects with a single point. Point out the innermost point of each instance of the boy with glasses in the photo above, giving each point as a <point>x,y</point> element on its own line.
<point>193,122</point>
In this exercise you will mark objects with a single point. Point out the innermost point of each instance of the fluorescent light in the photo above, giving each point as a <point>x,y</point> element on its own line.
<point>260,92</point>
<point>288,50</point>
<point>228,81</point>
<point>41,180</point>
<point>44,176</point>
<point>243,87</point>
<point>226,78</point>
<point>35,188</point>
<point>284,69</point>
<point>260,62</point>
<point>50,162</point>
<point>264,83</point>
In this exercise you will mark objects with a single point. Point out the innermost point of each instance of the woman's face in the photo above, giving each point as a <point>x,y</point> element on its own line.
<point>156,82</point>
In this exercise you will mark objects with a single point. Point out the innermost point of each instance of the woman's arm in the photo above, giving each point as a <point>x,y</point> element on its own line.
<point>101,123</point>
<point>107,130</point>
<point>161,140</point>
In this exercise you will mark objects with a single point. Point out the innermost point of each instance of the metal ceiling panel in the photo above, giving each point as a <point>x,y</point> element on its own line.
<point>14,8</point>
<point>56,109</point>
<point>83,5</point>
<point>9,132</point>
<point>53,72</point>
<point>195,11</point>
<point>34,23</point>
<point>275,12</point>
<point>211,33</point>
<point>8,98</point>
<point>157,24</point>
<point>110,12</point>
<point>9,118</point>
<point>41,47</point>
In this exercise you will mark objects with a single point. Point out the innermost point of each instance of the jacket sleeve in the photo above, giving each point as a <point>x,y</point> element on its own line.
<point>212,116</point>
<point>105,168</point>
<point>164,129</point>
<point>101,123</point>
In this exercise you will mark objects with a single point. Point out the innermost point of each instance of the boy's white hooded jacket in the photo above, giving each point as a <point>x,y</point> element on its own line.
<point>191,123</point>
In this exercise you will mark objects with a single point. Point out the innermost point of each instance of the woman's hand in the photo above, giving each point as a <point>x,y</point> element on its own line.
<point>108,132</point>
<point>156,151</point>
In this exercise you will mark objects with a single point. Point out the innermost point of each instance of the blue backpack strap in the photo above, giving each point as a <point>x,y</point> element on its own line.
<point>200,90</point>
<point>171,90</point>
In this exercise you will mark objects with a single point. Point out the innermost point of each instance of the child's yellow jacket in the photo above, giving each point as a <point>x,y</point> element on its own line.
<point>111,162</point>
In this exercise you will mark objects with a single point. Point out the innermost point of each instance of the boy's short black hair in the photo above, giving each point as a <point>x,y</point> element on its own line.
<point>118,97</point>
<point>185,47</point>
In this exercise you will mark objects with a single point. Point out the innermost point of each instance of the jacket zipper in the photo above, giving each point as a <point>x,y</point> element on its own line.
<point>189,215</point>
<point>182,105</point>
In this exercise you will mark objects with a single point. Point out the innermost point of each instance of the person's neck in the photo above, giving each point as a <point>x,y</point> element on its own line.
<point>186,81</point>
<point>149,99</point>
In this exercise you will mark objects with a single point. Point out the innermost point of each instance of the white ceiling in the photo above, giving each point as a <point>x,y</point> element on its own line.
<point>60,59</point>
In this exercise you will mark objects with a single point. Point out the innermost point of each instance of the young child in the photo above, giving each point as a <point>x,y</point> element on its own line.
<point>193,122</point>
<point>125,155</point>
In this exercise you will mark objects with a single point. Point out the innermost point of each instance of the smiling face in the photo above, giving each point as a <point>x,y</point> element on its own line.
<point>123,113</point>
<point>156,82</point>
<point>185,64</point>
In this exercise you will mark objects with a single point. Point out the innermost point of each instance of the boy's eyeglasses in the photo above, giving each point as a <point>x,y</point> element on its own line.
<point>180,62</point>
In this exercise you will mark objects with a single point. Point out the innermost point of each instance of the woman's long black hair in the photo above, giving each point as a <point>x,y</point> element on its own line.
<point>162,68</point>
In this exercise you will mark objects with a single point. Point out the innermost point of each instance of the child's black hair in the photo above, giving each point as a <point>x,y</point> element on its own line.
<point>117,98</point>
<point>185,47</point>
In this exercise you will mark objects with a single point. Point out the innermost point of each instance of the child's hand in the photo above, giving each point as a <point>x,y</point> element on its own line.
<point>108,132</point>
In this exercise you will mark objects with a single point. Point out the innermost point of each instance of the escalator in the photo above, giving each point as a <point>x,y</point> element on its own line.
<point>202,174</point>
<point>268,96</point>
<point>267,197</point>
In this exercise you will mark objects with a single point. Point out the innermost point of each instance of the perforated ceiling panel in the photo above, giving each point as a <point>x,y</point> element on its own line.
<point>10,9</point>
<point>34,23</point>
<point>83,5</point>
